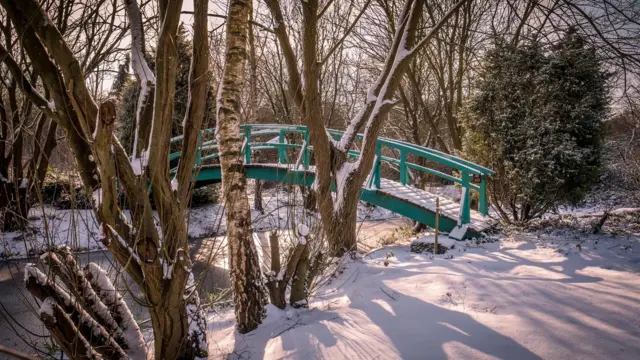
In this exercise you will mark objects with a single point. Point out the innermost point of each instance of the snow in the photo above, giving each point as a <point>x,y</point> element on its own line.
<point>554,294</point>
<point>458,232</point>
<point>79,229</point>
<point>24,183</point>
<point>303,230</point>
<point>97,197</point>
<point>174,184</point>
<point>47,306</point>
<point>524,297</point>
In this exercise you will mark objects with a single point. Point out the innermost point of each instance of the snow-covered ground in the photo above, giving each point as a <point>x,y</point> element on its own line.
<point>527,296</point>
<point>79,230</point>
<point>549,291</point>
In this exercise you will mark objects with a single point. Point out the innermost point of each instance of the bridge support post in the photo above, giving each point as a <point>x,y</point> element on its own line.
<point>482,203</point>
<point>305,149</point>
<point>376,166</point>
<point>247,147</point>
<point>403,167</point>
<point>282,152</point>
<point>465,206</point>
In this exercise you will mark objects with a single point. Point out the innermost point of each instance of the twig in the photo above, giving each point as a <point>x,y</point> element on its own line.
<point>387,294</point>
<point>15,353</point>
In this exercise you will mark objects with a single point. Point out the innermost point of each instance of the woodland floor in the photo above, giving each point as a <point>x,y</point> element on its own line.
<point>527,296</point>
<point>548,292</point>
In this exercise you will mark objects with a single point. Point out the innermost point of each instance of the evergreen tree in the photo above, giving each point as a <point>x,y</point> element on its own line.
<point>536,119</point>
<point>129,95</point>
<point>121,78</point>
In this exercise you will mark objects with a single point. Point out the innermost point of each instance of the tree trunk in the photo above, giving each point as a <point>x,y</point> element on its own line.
<point>342,231</point>
<point>13,206</point>
<point>246,277</point>
<point>275,283</point>
<point>299,293</point>
<point>310,200</point>
<point>257,197</point>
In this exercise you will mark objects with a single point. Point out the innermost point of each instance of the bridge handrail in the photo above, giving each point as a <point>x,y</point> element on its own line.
<point>466,168</point>
<point>457,162</point>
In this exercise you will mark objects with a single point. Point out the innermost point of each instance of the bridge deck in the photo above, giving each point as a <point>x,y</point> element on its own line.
<point>426,200</point>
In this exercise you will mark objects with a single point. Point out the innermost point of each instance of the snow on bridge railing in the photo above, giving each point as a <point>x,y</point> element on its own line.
<point>472,176</point>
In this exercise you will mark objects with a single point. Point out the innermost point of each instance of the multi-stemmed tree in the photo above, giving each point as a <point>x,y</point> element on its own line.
<point>154,253</point>
<point>28,136</point>
<point>332,164</point>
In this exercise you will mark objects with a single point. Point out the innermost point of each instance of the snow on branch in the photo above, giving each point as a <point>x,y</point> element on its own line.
<point>379,90</point>
<point>379,94</point>
<point>195,318</point>
<point>146,79</point>
<point>139,63</point>
<point>132,254</point>
<point>135,346</point>
<point>343,174</point>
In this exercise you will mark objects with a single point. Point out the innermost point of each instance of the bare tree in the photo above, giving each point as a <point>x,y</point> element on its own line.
<point>332,166</point>
<point>156,258</point>
<point>28,136</point>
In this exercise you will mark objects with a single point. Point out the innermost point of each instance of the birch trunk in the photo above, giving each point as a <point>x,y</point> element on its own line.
<point>246,277</point>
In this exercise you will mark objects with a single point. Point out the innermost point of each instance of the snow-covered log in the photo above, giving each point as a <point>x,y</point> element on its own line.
<point>99,339</point>
<point>64,331</point>
<point>133,343</point>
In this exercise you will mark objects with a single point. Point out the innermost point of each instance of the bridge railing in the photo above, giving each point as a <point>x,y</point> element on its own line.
<point>472,177</point>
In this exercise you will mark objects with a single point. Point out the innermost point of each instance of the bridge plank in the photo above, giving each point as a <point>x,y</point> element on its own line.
<point>427,201</point>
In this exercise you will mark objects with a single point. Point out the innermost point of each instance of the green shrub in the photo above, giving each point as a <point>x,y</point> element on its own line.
<point>536,119</point>
<point>205,195</point>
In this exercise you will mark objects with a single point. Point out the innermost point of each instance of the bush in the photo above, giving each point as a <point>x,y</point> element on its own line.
<point>536,119</point>
<point>205,195</point>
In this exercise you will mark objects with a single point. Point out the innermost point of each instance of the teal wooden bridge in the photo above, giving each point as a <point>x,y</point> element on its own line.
<point>396,195</point>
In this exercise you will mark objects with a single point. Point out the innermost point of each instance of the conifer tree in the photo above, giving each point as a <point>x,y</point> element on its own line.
<point>536,119</point>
